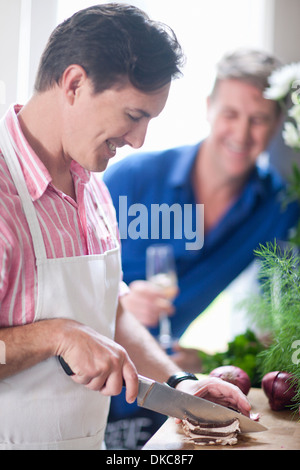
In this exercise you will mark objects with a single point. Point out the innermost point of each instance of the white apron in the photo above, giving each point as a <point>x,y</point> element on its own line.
<point>42,408</point>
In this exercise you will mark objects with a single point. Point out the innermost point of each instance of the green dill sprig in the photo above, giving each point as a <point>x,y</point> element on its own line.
<point>277,309</point>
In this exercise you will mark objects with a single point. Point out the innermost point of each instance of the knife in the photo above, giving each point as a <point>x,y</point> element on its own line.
<point>168,401</point>
<point>171,402</point>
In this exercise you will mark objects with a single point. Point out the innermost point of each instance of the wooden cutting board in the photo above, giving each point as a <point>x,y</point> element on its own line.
<point>283,431</point>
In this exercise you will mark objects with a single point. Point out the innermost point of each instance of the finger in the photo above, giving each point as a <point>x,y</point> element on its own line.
<point>225,394</point>
<point>131,381</point>
<point>237,399</point>
<point>91,382</point>
<point>163,305</point>
<point>176,347</point>
<point>113,384</point>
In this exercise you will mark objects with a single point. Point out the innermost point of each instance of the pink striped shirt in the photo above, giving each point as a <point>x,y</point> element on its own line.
<point>69,228</point>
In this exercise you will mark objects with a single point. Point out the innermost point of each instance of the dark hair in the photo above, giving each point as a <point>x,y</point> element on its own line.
<point>113,43</point>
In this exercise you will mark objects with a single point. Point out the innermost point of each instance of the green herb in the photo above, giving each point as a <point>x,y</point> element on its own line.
<point>277,310</point>
<point>242,352</point>
<point>291,194</point>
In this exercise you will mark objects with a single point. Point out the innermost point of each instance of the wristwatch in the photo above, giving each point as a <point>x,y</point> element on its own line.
<point>175,379</point>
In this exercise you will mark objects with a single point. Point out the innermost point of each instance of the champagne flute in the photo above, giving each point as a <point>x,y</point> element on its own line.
<point>161,271</point>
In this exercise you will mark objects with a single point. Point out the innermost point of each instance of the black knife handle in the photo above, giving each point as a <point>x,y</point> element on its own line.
<point>65,366</point>
<point>68,369</point>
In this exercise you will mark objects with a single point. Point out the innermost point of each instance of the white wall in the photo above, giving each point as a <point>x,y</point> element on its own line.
<point>284,40</point>
<point>9,39</point>
<point>286,30</point>
<point>25,26</point>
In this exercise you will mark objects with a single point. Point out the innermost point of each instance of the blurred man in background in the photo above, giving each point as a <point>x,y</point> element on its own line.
<point>242,201</point>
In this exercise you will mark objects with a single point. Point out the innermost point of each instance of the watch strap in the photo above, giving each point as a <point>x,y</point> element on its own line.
<point>175,379</point>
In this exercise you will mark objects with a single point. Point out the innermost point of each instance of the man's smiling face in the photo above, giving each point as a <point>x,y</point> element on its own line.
<point>242,124</point>
<point>95,125</point>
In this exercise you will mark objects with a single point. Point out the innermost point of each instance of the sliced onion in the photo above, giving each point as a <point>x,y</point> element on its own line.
<point>234,375</point>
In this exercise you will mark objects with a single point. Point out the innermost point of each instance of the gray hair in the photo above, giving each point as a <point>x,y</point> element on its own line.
<point>247,65</point>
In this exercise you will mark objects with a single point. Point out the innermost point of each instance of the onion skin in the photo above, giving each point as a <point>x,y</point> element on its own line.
<point>233,375</point>
<point>278,389</point>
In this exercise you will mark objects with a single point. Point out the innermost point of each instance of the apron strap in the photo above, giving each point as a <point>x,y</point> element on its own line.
<point>6,143</point>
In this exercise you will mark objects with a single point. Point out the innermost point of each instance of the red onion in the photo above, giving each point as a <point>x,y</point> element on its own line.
<point>279,389</point>
<point>234,375</point>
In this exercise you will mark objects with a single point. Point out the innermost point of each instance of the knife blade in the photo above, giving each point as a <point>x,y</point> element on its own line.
<point>168,401</point>
<point>171,402</point>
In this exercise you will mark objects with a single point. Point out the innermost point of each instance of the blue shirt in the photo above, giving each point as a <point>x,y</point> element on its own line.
<point>256,217</point>
<point>165,177</point>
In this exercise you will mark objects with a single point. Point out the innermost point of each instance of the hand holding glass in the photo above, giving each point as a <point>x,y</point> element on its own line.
<point>161,271</point>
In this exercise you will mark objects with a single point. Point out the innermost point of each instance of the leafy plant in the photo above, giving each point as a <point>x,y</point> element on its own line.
<point>242,352</point>
<point>277,309</point>
<point>292,193</point>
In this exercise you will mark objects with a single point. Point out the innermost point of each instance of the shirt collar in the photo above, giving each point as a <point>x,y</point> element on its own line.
<point>256,186</point>
<point>261,181</point>
<point>79,172</point>
<point>36,175</point>
<point>182,167</point>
